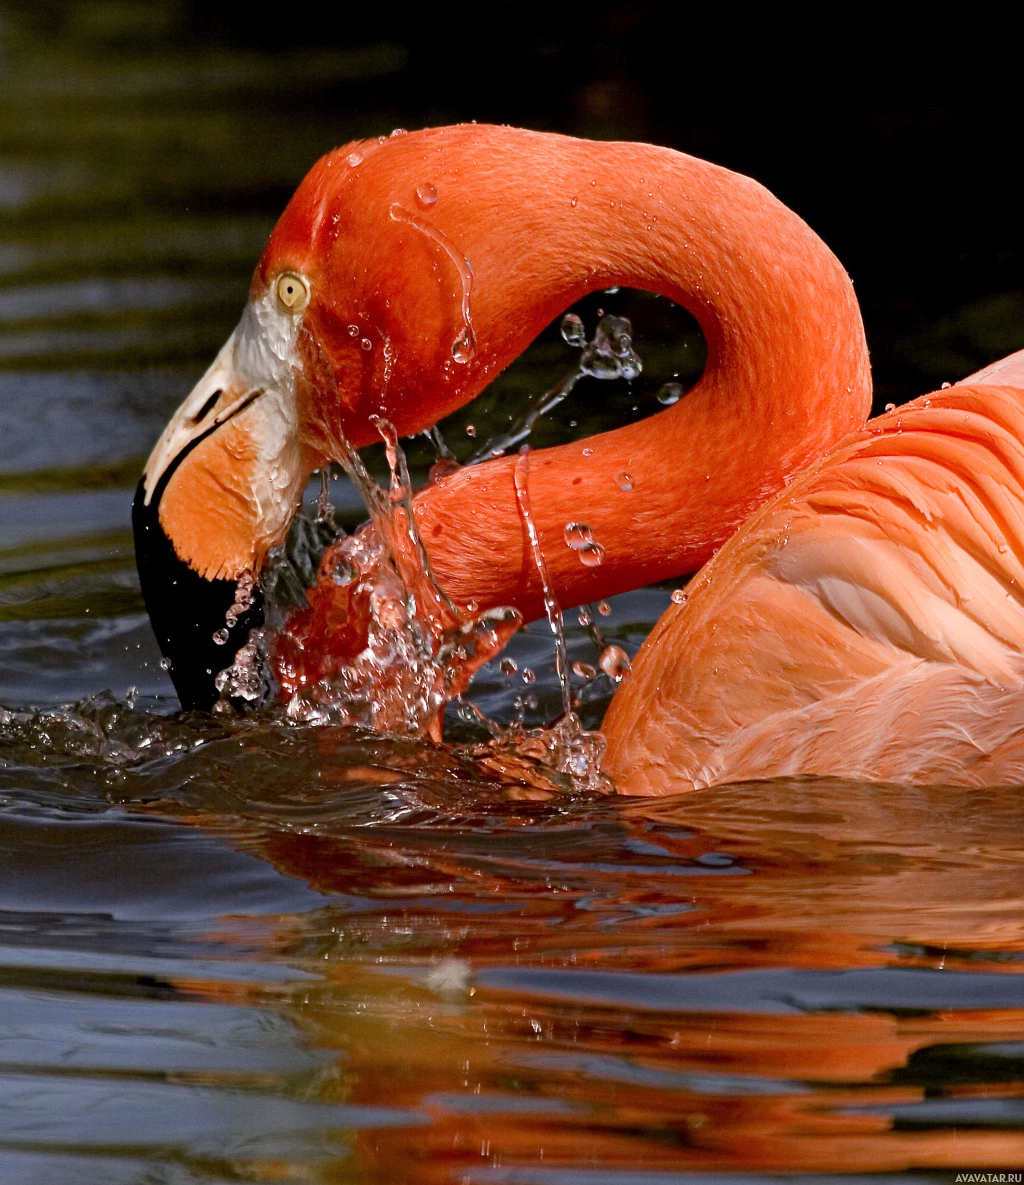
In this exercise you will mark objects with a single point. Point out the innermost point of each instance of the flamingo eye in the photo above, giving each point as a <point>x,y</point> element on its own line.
<point>292,292</point>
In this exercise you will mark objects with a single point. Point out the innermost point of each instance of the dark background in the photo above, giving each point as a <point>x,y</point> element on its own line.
<point>898,147</point>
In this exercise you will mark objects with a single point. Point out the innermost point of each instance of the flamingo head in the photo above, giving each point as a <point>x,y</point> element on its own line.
<point>358,309</point>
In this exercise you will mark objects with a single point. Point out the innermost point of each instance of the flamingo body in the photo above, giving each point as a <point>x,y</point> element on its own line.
<point>868,622</point>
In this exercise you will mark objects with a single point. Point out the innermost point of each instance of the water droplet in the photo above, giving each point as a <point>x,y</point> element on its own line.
<point>366,344</point>
<point>220,637</point>
<point>426,194</point>
<point>944,386</point>
<point>353,331</point>
<point>165,664</point>
<point>588,452</point>
<point>471,429</point>
<point>578,535</point>
<point>343,572</point>
<point>678,596</point>
<point>442,468</point>
<point>464,346</point>
<point>591,555</point>
<point>614,662</point>
<point>399,132</point>
<point>382,139</point>
<point>528,675</point>
<point>573,331</point>
<point>624,482</point>
<point>890,407</point>
<point>573,201</point>
<point>507,666</point>
<point>355,158</point>
<point>670,393</point>
<point>584,670</point>
<point>604,608</point>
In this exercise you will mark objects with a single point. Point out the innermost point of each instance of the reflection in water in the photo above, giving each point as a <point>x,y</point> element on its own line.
<point>773,976</point>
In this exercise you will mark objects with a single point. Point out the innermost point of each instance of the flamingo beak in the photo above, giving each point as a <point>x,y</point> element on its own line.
<point>218,492</point>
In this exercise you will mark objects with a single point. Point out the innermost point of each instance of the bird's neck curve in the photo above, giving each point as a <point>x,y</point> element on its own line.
<point>542,220</point>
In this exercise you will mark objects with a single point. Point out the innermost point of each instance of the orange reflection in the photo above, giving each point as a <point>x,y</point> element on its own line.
<point>812,877</point>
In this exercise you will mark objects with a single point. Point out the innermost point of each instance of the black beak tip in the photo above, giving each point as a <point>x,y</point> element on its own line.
<point>188,612</point>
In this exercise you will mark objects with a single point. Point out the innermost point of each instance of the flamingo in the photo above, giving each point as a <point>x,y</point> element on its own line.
<point>865,617</point>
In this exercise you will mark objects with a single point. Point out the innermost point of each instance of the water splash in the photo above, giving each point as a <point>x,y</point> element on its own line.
<point>551,606</point>
<point>464,345</point>
<point>566,746</point>
<point>421,650</point>
<point>608,355</point>
<point>367,637</point>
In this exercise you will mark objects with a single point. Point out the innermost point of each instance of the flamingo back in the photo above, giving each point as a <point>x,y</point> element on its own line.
<point>868,622</point>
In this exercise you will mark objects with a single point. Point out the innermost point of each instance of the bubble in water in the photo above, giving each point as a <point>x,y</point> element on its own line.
<point>670,393</point>
<point>573,332</point>
<point>220,637</point>
<point>678,596</point>
<point>471,429</point>
<point>624,482</point>
<point>426,194</point>
<point>355,158</point>
<point>614,662</point>
<point>528,675</point>
<point>585,671</point>
<point>366,344</point>
<point>464,346</point>
<point>353,330</point>
<point>507,666</point>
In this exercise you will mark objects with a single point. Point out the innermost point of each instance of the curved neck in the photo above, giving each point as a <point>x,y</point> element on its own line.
<point>542,220</point>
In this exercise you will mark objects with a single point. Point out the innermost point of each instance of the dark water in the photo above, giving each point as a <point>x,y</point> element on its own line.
<point>254,952</point>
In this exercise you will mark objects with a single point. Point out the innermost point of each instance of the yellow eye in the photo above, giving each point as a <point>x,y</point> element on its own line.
<point>292,292</point>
